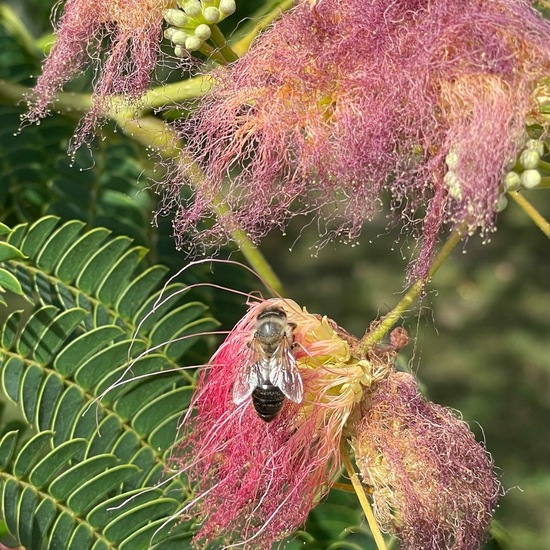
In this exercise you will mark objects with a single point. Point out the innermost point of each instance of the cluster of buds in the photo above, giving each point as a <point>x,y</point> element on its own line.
<point>256,479</point>
<point>525,173</point>
<point>191,26</point>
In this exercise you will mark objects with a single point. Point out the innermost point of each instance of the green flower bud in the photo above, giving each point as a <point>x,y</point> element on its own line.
<point>529,159</point>
<point>192,8</point>
<point>169,33</point>
<point>203,32</point>
<point>512,181</point>
<point>502,203</point>
<point>179,37</point>
<point>535,145</point>
<point>453,184</point>
<point>175,17</point>
<point>180,51</point>
<point>227,7</point>
<point>530,179</point>
<point>451,160</point>
<point>193,43</point>
<point>212,15</point>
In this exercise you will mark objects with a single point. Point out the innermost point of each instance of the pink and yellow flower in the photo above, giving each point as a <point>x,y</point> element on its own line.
<point>256,482</point>
<point>433,483</point>
<point>120,39</point>
<point>340,101</point>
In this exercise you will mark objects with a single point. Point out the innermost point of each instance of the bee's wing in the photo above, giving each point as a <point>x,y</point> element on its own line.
<point>248,377</point>
<point>284,374</point>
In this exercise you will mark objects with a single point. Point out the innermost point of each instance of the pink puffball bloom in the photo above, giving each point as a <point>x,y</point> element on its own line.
<point>433,483</point>
<point>255,481</point>
<point>120,39</point>
<point>341,101</point>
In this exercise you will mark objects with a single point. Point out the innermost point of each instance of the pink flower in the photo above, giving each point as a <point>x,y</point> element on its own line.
<point>119,38</point>
<point>341,101</point>
<point>256,481</point>
<point>433,484</point>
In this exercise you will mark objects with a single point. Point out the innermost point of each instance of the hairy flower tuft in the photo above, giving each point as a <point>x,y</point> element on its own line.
<point>433,483</point>
<point>339,101</point>
<point>254,481</point>
<point>118,38</point>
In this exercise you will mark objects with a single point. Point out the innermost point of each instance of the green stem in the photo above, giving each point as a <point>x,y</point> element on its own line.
<point>389,320</point>
<point>363,500</point>
<point>532,212</point>
<point>543,165</point>
<point>242,45</point>
<point>212,53</point>
<point>65,102</point>
<point>221,43</point>
<point>177,92</point>
<point>153,132</point>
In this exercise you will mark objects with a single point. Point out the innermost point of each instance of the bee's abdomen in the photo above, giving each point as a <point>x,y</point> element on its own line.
<point>268,401</point>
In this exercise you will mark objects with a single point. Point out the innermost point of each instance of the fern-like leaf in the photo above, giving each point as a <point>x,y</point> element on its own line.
<point>105,410</point>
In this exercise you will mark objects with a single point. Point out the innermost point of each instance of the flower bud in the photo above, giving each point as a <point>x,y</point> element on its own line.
<point>530,179</point>
<point>175,17</point>
<point>535,145</point>
<point>192,8</point>
<point>193,43</point>
<point>502,203</point>
<point>203,32</point>
<point>179,37</point>
<point>227,7</point>
<point>512,181</point>
<point>529,159</point>
<point>453,184</point>
<point>212,15</point>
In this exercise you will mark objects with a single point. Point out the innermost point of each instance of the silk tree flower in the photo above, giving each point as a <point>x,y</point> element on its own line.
<point>255,481</point>
<point>433,484</point>
<point>120,39</point>
<point>340,101</point>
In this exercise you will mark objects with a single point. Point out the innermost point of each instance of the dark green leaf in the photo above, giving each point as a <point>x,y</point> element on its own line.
<point>72,356</point>
<point>68,482</point>
<point>7,446</point>
<point>29,455</point>
<point>94,490</point>
<point>52,463</point>
<point>37,234</point>
<point>57,244</point>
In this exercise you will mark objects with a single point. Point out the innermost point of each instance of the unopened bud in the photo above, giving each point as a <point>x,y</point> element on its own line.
<point>169,33</point>
<point>227,7</point>
<point>179,37</point>
<point>192,8</point>
<point>175,17</point>
<point>502,203</point>
<point>529,159</point>
<point>203,32</point>
<point>193,43</point>
<point>180,51</point>
<point>512,181</point>
<point>535,145</point>
<point>212,15</point>
<point>530,179</point>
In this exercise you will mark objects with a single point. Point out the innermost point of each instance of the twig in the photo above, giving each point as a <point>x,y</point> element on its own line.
<point>532,212</point>
<point>364,501</point>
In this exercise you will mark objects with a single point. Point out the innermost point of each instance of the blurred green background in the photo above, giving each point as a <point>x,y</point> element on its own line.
<point>480,340</point>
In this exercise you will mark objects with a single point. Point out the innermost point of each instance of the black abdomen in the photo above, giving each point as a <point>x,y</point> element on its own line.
<point>268,401</point>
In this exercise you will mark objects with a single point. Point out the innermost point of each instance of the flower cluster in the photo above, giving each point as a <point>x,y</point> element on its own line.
<point>119,39</point>
<point>433,484</point>
<point>256,481</point>
<point>190,27</point>
<point>340,101</point>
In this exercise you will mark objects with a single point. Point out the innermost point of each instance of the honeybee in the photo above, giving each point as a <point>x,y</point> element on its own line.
<point>271,373</point>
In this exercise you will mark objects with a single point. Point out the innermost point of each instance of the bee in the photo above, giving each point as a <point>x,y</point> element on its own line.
<point>270,375</point>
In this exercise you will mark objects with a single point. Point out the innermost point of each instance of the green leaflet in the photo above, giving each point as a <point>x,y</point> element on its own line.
<point>101,389</point>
